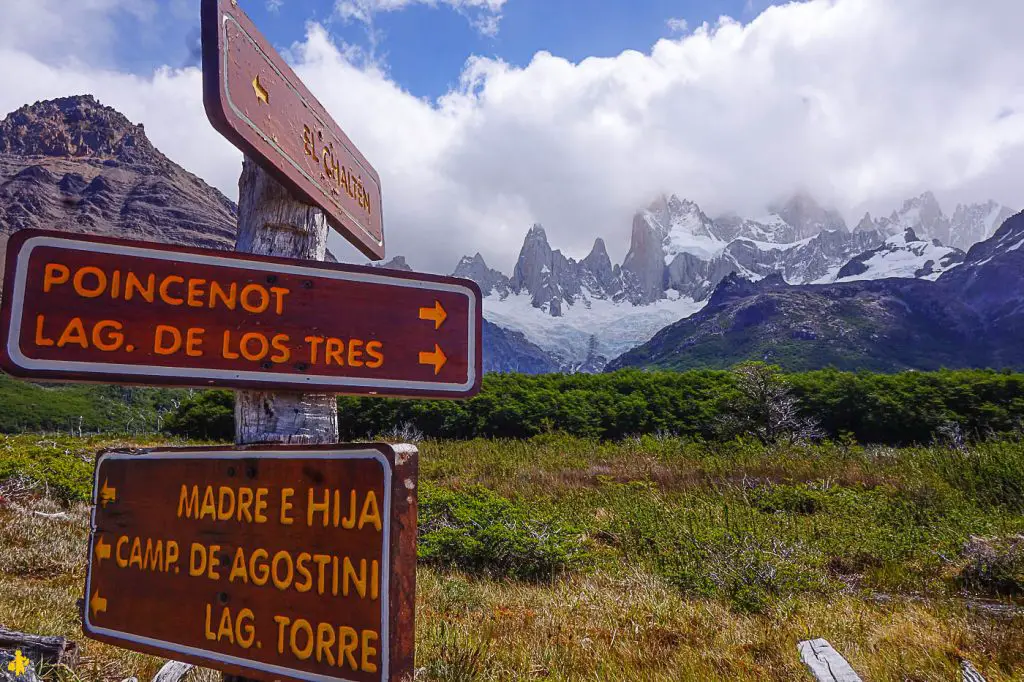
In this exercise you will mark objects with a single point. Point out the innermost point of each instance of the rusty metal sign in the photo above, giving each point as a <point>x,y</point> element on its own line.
<point>257,102</point>
<point>117,311</point>
<point>267,562</point>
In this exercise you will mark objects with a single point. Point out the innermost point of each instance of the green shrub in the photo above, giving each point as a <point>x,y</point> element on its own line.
<point>478,531</point>
<point>792,499</point>
<point>205,416</point>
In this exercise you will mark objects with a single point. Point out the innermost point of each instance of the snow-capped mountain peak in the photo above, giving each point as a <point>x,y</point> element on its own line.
<point>587,310</point>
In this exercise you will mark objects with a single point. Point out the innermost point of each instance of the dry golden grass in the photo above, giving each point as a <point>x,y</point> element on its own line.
<point>599,627</point>
<point>580,627</point>
<point>618,621</point>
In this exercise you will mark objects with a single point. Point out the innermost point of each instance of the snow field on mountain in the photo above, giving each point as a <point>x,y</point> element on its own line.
<point>617,327</point>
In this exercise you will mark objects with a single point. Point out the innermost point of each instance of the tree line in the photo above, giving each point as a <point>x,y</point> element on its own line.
<point>752,399</point>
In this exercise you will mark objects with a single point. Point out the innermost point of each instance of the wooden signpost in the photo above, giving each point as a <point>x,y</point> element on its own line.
<point>257,102</point>
<point>292,561</point>
<point>112,310</point>
<point>269,562</point>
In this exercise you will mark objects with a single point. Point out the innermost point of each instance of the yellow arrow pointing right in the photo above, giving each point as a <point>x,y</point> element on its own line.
<point>436,313</point>
<point>436,358</point>
<point>98,604</point>
<point>102,549</point>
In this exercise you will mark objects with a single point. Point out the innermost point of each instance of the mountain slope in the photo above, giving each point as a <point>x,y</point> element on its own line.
<point>75,165</point>
<point>509,351</point>
<point>970,316</point>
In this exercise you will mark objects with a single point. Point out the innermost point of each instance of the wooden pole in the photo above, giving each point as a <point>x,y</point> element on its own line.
<point>272,223</point>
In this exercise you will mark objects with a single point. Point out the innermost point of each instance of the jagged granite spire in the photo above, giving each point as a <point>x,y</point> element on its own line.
<point>490,280</point>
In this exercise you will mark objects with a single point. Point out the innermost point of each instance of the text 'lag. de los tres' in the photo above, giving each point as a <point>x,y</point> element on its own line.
<point>97,309</point>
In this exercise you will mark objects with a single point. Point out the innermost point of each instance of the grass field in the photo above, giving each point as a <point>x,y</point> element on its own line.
<point>560,558</point>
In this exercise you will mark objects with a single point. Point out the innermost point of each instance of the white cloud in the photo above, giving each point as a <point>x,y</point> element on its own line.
<point>677,25</point>
<point>484,15</point>
<point>861,102</point>
<point>57,29</point>
<point>274,5</point>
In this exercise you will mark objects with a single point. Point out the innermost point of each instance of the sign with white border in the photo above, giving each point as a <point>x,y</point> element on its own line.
<point>110,310</point>
<point>271,562</point>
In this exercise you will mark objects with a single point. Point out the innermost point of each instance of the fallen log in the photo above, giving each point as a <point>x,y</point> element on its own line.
<point>173,671</point>
<point>48,649</point>
<point>825,663</point>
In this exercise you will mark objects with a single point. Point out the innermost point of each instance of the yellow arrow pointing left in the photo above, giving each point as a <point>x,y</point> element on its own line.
<point>262,94</point>
<point>107,494</point>
<point>98,604</point>
<point>102,549</point>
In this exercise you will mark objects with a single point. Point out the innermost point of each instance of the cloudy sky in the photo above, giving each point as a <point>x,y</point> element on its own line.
<point>485,116</point>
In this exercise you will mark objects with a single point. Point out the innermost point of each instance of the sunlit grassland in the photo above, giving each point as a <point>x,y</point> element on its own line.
<point>646,559</point>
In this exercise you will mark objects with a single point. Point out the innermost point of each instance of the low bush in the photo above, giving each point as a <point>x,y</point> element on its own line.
<point>478,531</point>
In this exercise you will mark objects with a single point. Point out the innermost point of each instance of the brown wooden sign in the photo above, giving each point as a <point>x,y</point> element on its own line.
<point>257,102</point>
<point>275,563</point>
<point>108,310</point>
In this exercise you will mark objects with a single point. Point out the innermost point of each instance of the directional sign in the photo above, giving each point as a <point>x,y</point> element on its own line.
<point>257,102</point>
<point>98,309</point>
<point>272,563</point>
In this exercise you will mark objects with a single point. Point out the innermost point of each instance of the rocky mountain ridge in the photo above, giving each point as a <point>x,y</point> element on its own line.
<point>678,255</point>
<point>971,315</point>
<point>676,247</point>
<point>73,164</point>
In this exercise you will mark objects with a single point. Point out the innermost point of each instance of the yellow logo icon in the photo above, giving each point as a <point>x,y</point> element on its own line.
<point>17,666</point>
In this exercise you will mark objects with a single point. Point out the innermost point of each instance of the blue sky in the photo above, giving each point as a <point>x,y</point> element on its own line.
<point>424,48</point>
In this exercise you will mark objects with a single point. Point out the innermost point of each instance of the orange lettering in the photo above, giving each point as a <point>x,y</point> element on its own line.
<point>314,345</point>
<point>73,333</point>
<point>263,296</point>
<point>226,352</point>
<point>216,291</point>
<point>195,292</point>
<point>40,339</point>
<point>261,340</point>
<point>375,349</point>
<point>279,293</point>
<point>55,273</point>
<point>194,339</point>
<point>165,285</point>
<point>334,351</point>
<point>160,346</point>
<point>283,354</point>
<point>355,353</point>
<point>79,282</point>
<point>113,341</point>
<point>132,284</point>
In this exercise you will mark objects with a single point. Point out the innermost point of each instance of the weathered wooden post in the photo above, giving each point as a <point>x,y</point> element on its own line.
<point>272,223</point>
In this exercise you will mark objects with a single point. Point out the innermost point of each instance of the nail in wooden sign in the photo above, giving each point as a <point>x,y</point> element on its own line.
<point>266,562</point>
<point>255,100</point>
<point>117,311</point>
